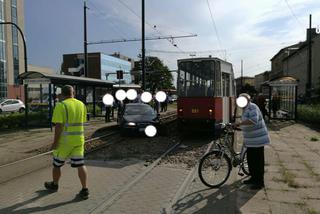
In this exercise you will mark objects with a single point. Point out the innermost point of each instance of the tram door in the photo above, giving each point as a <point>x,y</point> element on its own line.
<point>226,97</point>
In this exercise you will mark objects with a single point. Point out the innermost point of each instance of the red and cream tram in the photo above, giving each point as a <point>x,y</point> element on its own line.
<point>206,92</point>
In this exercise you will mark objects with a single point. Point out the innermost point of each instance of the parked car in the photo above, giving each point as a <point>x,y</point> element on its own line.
<point>173,98</point>
<point>136,117</point>
<point>11,105</point>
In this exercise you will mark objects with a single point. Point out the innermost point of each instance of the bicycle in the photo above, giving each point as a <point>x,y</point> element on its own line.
<point>222,157</point>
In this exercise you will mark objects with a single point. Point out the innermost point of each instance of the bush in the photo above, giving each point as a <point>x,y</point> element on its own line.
<point>17,120</point>
<point>309,113</point>
<point>90,109</point>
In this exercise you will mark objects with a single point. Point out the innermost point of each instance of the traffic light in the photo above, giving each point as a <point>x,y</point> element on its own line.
<point>119,74</point>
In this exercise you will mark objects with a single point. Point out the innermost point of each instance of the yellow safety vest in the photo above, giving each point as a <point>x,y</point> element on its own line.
<point>72,113</point>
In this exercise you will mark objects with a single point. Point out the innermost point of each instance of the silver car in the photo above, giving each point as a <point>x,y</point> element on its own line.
<point>11,105</point>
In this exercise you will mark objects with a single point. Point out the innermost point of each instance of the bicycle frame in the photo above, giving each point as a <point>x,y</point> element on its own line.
<point>225,147</point>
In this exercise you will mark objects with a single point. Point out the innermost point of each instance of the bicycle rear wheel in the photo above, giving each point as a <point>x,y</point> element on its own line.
<point>214,169</point>
<point>244,165</point>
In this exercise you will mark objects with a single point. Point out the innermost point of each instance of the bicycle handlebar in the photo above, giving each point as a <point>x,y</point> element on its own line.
<point>229,125</point>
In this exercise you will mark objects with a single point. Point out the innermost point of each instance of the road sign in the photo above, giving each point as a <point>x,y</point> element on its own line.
<point>37,81</point>
<point>120,74</point>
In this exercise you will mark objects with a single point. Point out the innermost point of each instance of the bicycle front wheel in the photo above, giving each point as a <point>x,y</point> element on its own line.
<point>214,169</point>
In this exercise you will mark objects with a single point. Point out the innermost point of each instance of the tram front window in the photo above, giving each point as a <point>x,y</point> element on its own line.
<point>196,79</point>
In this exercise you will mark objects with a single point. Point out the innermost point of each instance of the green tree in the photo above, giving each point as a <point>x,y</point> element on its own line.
<point>247,88</point>
<point>158,75</point>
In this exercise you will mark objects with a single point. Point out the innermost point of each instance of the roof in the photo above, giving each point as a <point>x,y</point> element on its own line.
<point>245,77</point>
<point>66,79</point>
<point>204,58</point>
<point>281,81</point>
<point>125,86</point>
<point>285,48</point>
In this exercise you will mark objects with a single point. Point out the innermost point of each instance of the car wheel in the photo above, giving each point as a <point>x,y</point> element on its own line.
<point>0,111</point>
<point>21,110</point>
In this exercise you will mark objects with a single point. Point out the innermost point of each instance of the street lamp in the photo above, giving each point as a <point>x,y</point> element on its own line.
<point>25,67</point>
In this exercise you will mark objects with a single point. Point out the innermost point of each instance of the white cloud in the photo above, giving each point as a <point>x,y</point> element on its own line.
<point>249,30</point>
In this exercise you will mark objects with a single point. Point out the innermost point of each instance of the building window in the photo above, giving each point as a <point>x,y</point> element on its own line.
<point>15,41</point>
<point>3,71</point>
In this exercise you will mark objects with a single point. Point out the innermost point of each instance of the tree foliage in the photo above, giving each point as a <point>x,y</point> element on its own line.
<point>158,75</point>
<point>249,89</point>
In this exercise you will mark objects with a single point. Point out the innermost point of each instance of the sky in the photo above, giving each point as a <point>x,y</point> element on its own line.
<point>235,30</point>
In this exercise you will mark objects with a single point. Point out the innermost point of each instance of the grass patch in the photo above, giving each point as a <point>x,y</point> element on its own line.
<point>311,211</point>
<point>314,139</point>
<point>309,113</point>
<point>287,176</point>
<point>311,171</point>
<point>301,204</point>
<point>278,179</point>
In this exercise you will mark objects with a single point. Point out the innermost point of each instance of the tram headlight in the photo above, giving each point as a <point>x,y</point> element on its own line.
<point>180,110</point>
<point>210,111</point>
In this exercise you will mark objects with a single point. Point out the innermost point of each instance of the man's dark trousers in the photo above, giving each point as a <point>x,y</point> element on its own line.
<point>255,157</point>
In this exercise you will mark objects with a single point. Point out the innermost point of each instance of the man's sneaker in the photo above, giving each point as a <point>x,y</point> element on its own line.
<point>84,193</point>
<point>248,181</point>
<point>49,185</point>
<point>257,186</point>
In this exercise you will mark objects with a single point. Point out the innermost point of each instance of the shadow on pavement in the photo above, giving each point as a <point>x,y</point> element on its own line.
<point>40,194</point>
<point>277,125</point>
<point>224,200</point>
<point>114,164</point>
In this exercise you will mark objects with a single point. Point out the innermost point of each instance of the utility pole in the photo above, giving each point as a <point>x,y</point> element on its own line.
<point>85,68</point>
<point>241,76</point>
<point>308,85</point>
<point>143,47</point>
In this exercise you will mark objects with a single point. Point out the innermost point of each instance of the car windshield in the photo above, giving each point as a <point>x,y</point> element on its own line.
<point>139,110</point>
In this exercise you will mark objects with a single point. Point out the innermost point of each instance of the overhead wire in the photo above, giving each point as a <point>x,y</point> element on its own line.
<point>214,24</point>
<point>150,25</point>
<point>103,15</point>
<point>293,14</point>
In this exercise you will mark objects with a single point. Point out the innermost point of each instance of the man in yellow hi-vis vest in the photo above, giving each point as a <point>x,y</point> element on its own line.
<point>69,116</point>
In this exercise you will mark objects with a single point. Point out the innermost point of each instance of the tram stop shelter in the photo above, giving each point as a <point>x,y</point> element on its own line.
<point>42,92</point>
<point>282,102</point>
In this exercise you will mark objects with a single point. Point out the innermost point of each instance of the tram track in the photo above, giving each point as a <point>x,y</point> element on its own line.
<point>172,150</point>
<point>44,159</point>
<point>28,165</point>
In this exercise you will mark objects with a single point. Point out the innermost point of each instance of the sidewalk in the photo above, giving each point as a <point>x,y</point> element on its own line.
<point>292,180</point>
<point>27,194</point>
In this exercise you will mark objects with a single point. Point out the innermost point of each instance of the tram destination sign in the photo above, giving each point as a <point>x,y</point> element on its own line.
<point>37,81</point>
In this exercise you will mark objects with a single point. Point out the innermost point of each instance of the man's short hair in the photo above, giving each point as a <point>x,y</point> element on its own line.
<point>67,90</point>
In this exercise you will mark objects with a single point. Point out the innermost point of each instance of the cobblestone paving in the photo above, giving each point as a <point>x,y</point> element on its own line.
<point>292,185</point>
<point>27,194</point>
<point>292,180</point>
<point>152,194</point>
